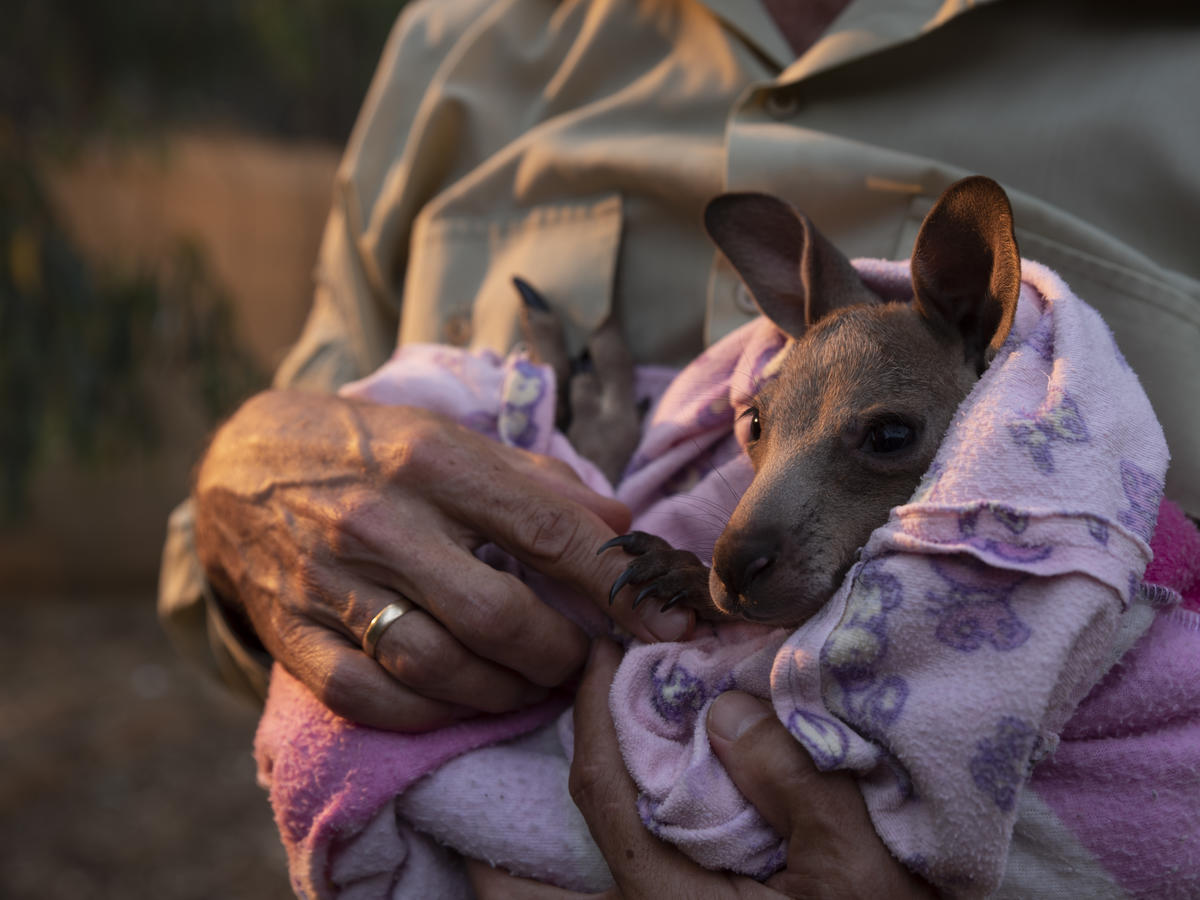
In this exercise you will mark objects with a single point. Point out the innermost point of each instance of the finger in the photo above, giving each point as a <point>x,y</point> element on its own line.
<point>481,611</point>
<point>766,763</point>
<point>355,687</point>
<point>438,459</point>
<point>604,792</point>
<point>557,476</point>
<point>560,539</point>
<point>491,883</point>
<point>833,849</point>
<point>489,612</point>
<point>422,655</point>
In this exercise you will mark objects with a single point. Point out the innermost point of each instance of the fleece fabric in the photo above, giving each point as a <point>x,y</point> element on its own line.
<point>947,672</point>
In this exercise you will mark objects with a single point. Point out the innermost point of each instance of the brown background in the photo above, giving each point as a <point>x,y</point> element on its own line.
<point>214,125</point>
<point>123,773</point>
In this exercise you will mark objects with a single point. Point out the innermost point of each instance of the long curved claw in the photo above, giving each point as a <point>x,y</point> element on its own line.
<point>642,594</point>
<point>623,579</point>
<point>674,600</point>
<point>619,541</point>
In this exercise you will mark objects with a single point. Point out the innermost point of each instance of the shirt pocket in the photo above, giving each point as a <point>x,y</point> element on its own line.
<point>458,287</point>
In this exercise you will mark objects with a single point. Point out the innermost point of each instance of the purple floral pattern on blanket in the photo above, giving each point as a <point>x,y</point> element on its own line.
<point>1000,762</point>
<point>678,695</point>
<point>1011,551</point>
<point>1013,522</point>
<point>523,388</point>
<point>855,650</point>
<point>1144,493</point>
<point>483,422</point>
<point>825,739</point>
<point>976,608</point>
<point>1098,529</point>
<point>1058,420</point>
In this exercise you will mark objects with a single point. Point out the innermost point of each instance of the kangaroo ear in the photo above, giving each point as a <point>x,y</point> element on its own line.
<point>794,274</point>
<point>966,269</point>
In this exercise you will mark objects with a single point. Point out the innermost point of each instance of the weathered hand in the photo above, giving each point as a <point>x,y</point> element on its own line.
<point>314,512</point>
<point>833,850</point>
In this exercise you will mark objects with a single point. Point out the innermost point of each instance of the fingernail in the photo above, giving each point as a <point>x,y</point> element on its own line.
<point>733,713</point>
<point>667,625</point>
<point>529,296</point>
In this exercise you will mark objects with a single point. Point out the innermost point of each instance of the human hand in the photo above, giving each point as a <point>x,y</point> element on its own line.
<point>315,512</point>
<point>833,850</point>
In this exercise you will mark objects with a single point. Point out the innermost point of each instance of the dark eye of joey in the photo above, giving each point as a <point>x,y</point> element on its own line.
<point>888,437</point>
<point>755,425</point>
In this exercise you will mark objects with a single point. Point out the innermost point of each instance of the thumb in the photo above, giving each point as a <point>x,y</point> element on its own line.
<point>766,763</point>
<point>833,850</point>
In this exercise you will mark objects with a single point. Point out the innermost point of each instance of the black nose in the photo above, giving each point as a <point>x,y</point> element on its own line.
<point>740,558</point>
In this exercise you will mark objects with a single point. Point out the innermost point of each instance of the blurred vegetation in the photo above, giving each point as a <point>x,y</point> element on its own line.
<point>82,351</point>
<point>294,68</point>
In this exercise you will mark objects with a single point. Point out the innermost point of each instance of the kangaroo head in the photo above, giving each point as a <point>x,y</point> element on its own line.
<point>865,392</point>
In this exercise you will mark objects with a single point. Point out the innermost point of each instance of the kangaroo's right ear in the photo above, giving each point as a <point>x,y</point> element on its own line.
<point>794,274</point>
<point>966,268</point>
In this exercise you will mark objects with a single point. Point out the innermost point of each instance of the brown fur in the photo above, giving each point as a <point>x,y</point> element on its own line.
<point>816,495</point>
<point>856,364</point>
<point>857,370</point>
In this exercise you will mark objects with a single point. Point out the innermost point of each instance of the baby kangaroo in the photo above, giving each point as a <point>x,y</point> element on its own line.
<point>863,397</point>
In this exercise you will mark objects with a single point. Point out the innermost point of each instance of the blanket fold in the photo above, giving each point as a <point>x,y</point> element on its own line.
<point>946,671</point>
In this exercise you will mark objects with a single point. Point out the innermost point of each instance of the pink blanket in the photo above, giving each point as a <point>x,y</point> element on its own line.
<point>949,666</point>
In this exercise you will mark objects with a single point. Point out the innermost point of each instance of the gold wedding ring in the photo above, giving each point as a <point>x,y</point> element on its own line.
<point>383,619</point>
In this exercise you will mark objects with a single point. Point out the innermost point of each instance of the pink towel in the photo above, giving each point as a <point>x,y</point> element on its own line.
<point>942,672</point>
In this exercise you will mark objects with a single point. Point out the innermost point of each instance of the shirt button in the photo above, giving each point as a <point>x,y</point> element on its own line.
<point>457,330</point>
<point>744,300</point>
<point>782,103</point>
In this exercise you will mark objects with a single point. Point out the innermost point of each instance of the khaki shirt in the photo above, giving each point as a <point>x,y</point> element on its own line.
<point>576,144</point>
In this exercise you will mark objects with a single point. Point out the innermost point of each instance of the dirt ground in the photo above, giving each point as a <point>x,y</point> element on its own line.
<point>123,773</point>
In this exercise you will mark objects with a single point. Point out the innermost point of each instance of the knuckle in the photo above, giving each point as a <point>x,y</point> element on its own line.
<point>548,534</point>
<point>311,578</point>
<point>496,618</point>
<point>339,688</point>
<point>424,449</point>
<point>555,467</point>
<point>422,664</point>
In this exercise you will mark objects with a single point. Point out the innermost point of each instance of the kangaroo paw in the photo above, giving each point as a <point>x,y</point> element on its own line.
<point>662,574</point>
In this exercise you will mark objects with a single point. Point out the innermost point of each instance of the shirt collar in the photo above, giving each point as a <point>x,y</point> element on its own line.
<point>864,27</point>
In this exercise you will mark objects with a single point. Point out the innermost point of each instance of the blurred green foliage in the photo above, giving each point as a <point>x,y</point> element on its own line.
<point>288,67</point>
<point>83,352</point>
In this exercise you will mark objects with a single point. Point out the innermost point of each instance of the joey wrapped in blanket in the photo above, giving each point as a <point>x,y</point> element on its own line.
<point>964,670</point>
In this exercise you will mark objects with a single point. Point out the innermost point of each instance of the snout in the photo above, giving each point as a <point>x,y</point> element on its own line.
<point>740,559</point>
<point>774,574</point>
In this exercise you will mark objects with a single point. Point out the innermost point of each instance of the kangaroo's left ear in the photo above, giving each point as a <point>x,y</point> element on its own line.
<point>966,268</point>
<point>794,273</point>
